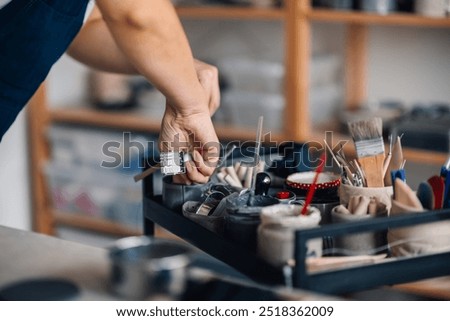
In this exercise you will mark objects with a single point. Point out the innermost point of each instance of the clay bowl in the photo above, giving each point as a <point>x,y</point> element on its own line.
<point>326,187</point>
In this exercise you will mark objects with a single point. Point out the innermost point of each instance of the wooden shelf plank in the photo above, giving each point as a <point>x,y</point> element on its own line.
<point>138,122</point>
<point>231,13</point>
<point>410,154</point>
<point>94,224</point>
<point>434,288</point>
<point>396,19</point>
<point>425,156</point>
<point>121,120</point>
<point>104,226</point>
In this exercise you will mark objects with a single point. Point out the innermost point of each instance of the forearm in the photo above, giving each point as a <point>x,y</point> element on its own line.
<point>151,37</point>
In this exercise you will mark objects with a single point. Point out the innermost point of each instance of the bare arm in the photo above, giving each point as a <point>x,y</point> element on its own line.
<point>146,37</point>
<point>150,35</point>
<point>94,46</point>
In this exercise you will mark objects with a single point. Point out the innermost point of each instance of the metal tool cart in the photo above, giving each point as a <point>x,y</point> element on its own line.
<point>341,281</point>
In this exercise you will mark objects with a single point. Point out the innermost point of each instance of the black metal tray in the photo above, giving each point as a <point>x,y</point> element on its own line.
<point>348,280</point>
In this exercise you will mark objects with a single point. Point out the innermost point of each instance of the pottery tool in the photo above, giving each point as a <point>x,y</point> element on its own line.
<point>332,154</point>
<point>387,160</point>
<point>222,161</point>
<point>257,150</point>
<point>221,177</point>
<point>236,166</point>
<point>405,195</point>
<point>445,174</point>
<point>425,195</point>
<point>147,172</point>
<point>241,172</point>
<point>312,188</point>
<point>352,203</point>
<point>359,178</point>
<point>372,207</point>
<point>368,139</point>
<point>362,207</point>
<point>396,161</point>
<point>250,177</point>
<point>232,173</point>
<point>347,176</point>
<point>262,184</point>
<point>171,163</point>
<point>230,181</point>
<point>399,173</point>
<point>261,166</point>
<point>438,186</point>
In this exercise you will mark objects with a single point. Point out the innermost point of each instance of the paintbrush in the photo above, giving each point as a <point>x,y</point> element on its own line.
<point>395,162</point>
<point>312,187</point>
<point>367,135</point>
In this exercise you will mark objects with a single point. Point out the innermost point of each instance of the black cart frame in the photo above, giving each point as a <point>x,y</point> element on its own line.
<point>396,271</point>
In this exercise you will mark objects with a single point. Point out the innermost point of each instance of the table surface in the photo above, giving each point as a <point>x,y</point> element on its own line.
<point>27,255</point>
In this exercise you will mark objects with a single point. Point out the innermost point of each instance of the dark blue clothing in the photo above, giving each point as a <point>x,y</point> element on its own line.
<point>33,36</point>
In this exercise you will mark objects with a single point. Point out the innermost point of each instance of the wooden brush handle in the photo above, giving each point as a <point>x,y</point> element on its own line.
<point>373,170</point>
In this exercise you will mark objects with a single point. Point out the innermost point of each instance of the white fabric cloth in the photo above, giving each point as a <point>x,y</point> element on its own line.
<point>4,3</point>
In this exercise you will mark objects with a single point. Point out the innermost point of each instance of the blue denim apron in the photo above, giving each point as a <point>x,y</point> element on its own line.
<point>33,36</point>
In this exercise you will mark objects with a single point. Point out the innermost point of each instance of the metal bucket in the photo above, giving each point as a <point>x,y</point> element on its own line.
<point>143,267</point>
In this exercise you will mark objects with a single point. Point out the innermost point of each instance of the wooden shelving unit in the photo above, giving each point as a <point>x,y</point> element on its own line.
<point>298,16</point>
<point>121,120</point>
<point>92,223</point>
<point>360,18</point>
<point>232,13</point>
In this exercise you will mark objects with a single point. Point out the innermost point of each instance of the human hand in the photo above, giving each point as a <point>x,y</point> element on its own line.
<point>208,77</point>
<point>192,133</point>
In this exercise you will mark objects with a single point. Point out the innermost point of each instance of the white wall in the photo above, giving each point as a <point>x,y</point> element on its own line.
<point>404,63</point>
<point>14,191</point>
<point>411,64</point>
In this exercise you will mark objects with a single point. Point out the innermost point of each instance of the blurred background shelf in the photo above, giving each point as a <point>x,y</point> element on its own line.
<point>104,226</point>
<point>361,18</point>
<point>136,121</point>
<point>230,12</point>
<point>295,20</point>
<point>100,225</point>
<point>120,120</point>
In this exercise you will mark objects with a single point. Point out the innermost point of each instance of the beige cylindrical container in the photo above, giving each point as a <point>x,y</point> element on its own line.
<point>359,243</point>
<point>418,239</point>
<point>383,194</point>
<point>276,233</point>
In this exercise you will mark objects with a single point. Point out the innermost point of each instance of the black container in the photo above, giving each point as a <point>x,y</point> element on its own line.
<point>175,195</point>
<point>242,220</point>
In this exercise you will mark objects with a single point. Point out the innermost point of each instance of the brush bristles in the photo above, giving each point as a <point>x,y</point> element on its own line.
<point>366,129</point>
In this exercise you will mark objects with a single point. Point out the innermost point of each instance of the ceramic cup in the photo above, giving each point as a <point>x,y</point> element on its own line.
<point>367,243</point>
<point>326,187</point>
<point>241,221</point>
<point>383,194</point>
<point>276,233</point>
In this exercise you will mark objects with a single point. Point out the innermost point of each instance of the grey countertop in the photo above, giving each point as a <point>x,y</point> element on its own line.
<point>27,255</point>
